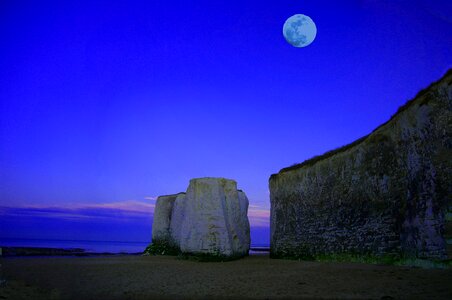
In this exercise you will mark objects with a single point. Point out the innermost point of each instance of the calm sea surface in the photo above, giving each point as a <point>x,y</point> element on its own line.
<point>88,246</point>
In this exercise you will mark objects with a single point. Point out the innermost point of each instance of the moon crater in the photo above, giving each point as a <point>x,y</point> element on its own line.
<point>299,30</point>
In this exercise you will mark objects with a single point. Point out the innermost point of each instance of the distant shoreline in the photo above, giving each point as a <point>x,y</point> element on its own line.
<point>48,251</point>
<point>44,251</point>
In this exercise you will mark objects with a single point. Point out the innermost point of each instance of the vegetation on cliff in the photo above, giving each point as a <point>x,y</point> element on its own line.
<point>387,193</point>
<point>317,158</point>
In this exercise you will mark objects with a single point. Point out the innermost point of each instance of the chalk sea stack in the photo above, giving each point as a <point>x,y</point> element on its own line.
<point>386,194</point>
<point>210,219</point>
<point>162,217</point>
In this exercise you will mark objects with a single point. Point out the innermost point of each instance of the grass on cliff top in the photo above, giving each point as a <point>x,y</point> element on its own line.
<point>315,159</point>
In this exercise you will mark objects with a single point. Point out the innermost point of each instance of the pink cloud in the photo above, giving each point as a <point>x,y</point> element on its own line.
<point>131,206</point>
<point>125,210</point>
<point>258,216</point>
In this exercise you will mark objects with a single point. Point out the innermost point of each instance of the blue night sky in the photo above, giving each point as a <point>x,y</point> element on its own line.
<point>104,106</point>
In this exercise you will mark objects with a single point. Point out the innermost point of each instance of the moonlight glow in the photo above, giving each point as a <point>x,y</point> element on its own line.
<point>299,30</point>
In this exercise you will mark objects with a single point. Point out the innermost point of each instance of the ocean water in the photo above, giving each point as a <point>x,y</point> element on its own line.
<point>88,246</point>
<point>92,246</point>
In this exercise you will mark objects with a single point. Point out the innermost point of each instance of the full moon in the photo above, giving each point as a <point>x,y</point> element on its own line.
<point>299,30</point>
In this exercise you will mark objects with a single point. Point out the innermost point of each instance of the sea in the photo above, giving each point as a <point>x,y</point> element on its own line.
<point>97,246</point>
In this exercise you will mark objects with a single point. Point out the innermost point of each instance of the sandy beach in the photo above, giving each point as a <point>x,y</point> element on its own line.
<point>254,277</point>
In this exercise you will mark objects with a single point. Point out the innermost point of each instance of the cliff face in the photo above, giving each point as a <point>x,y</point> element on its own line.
<point>210,218</point>
<point>385,194</point>
<point>162,217</point>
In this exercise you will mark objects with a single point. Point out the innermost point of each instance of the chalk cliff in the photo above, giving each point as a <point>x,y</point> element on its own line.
<point>385,194</point>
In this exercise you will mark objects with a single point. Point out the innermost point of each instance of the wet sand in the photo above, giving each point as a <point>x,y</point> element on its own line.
<point>254,277</point>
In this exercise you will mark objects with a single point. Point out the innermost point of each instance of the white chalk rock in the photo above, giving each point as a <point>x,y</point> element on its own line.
<point>243,224</point>
<point>162,217</point>
<point>211,218</point>
<point>177,218</point>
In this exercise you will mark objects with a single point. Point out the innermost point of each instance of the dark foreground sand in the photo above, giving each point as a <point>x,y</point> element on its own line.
<point>256,277</point>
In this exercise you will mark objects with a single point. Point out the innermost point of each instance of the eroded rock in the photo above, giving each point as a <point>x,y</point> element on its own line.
<point>385,194</point>
<point>210,218</point>
<point>162,217</point>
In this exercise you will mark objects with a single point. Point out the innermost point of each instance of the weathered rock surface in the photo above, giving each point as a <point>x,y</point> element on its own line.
<point>177,219</point>
<point>162,217</point>
<point>385,194</point>
<point>210,218</point>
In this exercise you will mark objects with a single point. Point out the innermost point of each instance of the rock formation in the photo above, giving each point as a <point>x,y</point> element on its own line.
<point>162,217</point>
<point>210,218</point>
<point>385,194</point>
